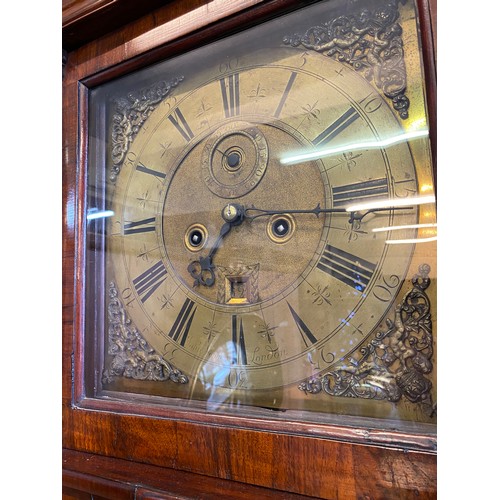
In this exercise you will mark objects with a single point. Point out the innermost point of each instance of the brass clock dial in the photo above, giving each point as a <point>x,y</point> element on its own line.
<point>247,246</point>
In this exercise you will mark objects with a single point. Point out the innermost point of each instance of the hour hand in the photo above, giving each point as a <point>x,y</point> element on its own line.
<point>202,270</point>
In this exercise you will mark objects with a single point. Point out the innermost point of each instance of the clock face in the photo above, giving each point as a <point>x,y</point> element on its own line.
<point>256,203</point>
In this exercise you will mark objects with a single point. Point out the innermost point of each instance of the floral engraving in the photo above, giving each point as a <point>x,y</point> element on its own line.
<point>131,355</point>
<point>320,294</point>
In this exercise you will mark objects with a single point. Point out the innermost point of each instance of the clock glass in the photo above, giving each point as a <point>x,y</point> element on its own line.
<point>261,227</point>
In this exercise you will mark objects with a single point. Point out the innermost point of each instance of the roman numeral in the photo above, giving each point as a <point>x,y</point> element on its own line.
<point>360,192</point>
<point>146,170</point>
<point>182,324</point>
<point>140,226</point>
<point>230,88</point>
<point>307,336</point>
<point>179,122</point>
<point>285,94</point>
<point>238,339</point>
<point>150,280</point>
<point>336,127</point>
<point>346,267</point>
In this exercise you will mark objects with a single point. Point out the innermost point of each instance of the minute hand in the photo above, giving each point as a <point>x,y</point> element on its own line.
<point>359,215</point>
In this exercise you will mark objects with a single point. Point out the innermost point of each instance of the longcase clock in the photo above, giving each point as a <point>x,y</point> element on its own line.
<point>250,253</point>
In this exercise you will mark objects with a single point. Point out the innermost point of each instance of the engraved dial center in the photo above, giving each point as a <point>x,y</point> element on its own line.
<point>241,168</point>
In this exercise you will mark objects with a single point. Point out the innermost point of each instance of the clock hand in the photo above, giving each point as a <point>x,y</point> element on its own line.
<point>202,269</point>
<point>233,159</point>
<point>354,216</point>
<point>234,214</point>
<point>361,214</point>
<point>262,213</point>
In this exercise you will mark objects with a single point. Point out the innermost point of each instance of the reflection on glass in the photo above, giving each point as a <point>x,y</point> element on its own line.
<point>369,144</point>
<point>407,226</point>
<point>391,203</point>
<point>218,260</point>
<point>99,214</point>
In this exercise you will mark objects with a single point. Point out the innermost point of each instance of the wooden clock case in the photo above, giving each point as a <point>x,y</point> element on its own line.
<point>118,450</point>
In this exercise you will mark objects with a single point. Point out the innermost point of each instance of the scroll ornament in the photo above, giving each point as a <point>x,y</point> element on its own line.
<point>131,356</point>
<point>369,41</point>
<point>130,113</point>
<point>394,364</point>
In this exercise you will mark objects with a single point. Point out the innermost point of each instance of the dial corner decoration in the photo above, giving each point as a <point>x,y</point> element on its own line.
<point>129,115</point>
<point>131,355</point>
<point>267,210</point>
<point>396,362</point>
<point>369,40</point>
